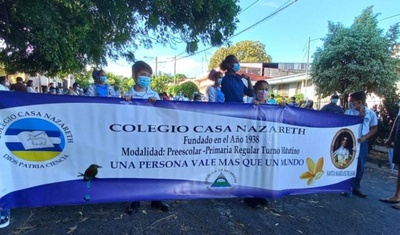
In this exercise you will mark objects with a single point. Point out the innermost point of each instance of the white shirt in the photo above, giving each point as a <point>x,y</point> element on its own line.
<point>370,119</point>
<point>342,154</point>
<point>3,88</point>
<point>142,94</point>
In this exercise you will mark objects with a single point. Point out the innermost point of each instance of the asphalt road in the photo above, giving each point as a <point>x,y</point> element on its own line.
<point>300,214</point>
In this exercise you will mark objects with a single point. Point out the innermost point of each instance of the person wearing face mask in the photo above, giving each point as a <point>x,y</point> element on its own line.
<point>232,84</point>
<point>141,74</point>
<point>100,87</point>
<point>332,107</point>
<point>261,91</point>
<point>4,84</point>
<point>214,93</point>
<point>368,129</point>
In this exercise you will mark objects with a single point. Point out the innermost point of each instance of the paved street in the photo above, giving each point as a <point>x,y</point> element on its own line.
<point>301,214</point>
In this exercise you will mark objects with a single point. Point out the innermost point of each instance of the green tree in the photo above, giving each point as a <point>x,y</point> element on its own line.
<point>245,52</point>
<point>65,36</point>
<point>160,83</point>
<point>357,58</point>
<point>186,88</point>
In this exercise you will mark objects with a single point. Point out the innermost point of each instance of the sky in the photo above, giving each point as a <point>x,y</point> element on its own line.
<point>285,35</point>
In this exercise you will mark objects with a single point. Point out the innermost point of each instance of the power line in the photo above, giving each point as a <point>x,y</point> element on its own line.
<point>389,17</point>
<point>249,6</point>
<point>281,8</point>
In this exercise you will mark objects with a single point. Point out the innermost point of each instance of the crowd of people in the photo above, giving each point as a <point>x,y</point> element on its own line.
<point>230,86</point>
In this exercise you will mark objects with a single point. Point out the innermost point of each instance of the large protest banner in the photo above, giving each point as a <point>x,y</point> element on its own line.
<point>52,148</point>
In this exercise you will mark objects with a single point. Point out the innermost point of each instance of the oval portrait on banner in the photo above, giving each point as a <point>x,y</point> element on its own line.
<point>343,148</point>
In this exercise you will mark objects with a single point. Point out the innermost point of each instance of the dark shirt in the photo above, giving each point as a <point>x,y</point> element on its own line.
<point>18,87</point>
<point>234,89</point>
<point>333,108</point>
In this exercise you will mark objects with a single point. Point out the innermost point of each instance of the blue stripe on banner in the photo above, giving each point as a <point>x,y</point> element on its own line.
<point>125,190</point>
<point>288,115</point>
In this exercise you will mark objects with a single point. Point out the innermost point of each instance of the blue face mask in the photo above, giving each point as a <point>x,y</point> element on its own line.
<point>103,78</point>
<point>219,81</point>
<point>335,101</point>
<point>236,67</point>
<point>143,81</point>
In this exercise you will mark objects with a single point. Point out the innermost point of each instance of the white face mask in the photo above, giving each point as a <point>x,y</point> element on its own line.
<point>7,83</point>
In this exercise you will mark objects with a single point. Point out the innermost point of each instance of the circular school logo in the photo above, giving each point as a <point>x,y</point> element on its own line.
<point>343,148</point>
<point>221,180</point>
<point>34,139</point>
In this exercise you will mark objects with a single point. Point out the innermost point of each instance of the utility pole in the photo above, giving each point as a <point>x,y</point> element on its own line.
<point>174,70</point>
<point>156,65</point>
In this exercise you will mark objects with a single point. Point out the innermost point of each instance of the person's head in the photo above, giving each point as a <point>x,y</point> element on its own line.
<point>334,99</point>
<point>293,99</point>
<point>3,80</point>
<point>99,76</point>
<point>230,64</point>
<point>261,90</point>
<point>19,80</point>
<point>196,97</point>
<point>272,96</point>
<point>29,83</point>
<point>357,100</point>
<point>141,74</point>
<point>216,77</point>
<point>309,104</point>
<point>75,86</point>
<point>51,84</point>
<point>344,141</point>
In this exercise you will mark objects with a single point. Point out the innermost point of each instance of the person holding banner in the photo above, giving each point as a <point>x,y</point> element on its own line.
<point>368,129</point>
<point>100,87</point>
<point>395,135</point>
<point>233,87</point>
<point>141,74</point>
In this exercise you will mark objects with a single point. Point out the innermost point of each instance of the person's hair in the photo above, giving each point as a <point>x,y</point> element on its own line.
<point>95,73</point>
<point>214,75</point>
<point>334,97</point>
<point>230,59</point>
<point>272,95</point>
<point>349,144</point>
<point>139,66</point>
<point>3,79</point>
<point>29,83</point>
<point>19,79</point>
<point>75,84</point>
<point>359,96</point>
<point>259,84</point>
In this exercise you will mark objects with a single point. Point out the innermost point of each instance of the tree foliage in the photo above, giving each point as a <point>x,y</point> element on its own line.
<point>357,58</point>
<point>160,83</point>
<point>65,36</point>
<point>245,52</point>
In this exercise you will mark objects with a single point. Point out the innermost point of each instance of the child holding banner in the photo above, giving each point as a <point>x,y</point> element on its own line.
<point>141,74</point>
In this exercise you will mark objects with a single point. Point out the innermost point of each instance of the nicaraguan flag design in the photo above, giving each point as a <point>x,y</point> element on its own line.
<point>34,139</point>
